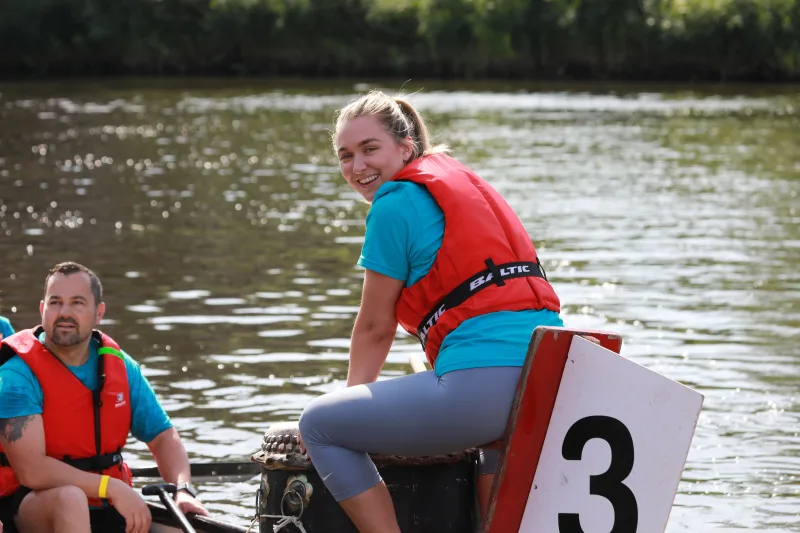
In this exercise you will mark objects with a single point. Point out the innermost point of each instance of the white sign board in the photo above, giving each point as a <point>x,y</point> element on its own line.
<point>615,448</point>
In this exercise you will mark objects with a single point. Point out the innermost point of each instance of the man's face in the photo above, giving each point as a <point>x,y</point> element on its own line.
<point>69,313</point>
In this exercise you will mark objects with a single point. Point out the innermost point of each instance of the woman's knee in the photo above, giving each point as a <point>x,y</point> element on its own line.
<point>312,421</point>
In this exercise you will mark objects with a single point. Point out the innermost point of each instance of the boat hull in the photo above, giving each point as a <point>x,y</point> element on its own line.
<point>434,494</point>
<point>164,522</point>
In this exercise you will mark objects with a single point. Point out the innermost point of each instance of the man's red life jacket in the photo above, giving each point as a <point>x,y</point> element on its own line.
<point>83,428</point>
<point>486,262</point>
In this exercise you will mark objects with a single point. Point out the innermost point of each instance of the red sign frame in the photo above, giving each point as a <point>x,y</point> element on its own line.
<point>529,420</point>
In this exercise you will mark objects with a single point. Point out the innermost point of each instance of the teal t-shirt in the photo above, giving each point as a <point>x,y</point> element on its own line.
<point>6,330</point>
<point>405,227</point>
<point>22,394</point>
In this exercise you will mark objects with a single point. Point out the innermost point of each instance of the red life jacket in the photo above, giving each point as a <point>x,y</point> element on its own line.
<point>83,428</point>
<point>486,262</point>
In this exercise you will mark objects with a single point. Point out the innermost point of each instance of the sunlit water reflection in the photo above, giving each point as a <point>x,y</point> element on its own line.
<point>226,241</point>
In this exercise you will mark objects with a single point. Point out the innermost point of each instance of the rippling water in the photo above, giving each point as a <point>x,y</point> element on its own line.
<point>226,240</point>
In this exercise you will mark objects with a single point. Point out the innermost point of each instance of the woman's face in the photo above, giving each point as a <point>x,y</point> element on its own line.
<point>369,155</point>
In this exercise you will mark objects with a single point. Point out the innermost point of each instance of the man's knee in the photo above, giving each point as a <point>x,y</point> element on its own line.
<point>70,496</point>
<point>40,509</point>
<point>59,500</point>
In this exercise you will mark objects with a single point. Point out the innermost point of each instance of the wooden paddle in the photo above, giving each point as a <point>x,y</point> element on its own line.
<point>416,362</point>
<point>217,471</point>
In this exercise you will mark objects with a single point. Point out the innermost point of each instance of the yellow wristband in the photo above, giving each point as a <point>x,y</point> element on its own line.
<point>101,490</point>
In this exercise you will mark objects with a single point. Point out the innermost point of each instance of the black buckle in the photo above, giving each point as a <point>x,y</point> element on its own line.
<point>96,463</point>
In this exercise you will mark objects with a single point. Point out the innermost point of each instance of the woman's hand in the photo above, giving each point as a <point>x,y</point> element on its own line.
<point>299,443</point>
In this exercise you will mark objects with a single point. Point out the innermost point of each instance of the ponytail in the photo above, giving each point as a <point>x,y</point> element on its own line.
<point>418,131</point>
<point>398,116</point>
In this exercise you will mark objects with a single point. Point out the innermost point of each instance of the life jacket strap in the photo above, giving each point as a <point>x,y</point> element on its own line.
<point>96,463</point>
<point>493,275</point>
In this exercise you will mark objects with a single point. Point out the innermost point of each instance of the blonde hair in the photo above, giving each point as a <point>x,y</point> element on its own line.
<point>397,115</point>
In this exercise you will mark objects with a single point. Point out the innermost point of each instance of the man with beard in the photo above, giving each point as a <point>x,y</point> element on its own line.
<point>69,397</point>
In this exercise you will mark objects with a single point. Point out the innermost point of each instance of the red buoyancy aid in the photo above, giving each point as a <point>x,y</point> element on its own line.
<point>70,409</point>
<point>486,262</point>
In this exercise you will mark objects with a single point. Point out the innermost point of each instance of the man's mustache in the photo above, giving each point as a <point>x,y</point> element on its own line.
<point>66,321</point>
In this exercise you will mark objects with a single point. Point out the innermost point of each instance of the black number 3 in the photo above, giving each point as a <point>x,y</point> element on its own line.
<point>608,484</point>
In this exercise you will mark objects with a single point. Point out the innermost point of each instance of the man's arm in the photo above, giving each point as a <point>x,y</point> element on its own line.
<point>173,465</point>
<point>22,439</point>
<point>150,424</point>
<point>170,456</point>
<point>22,434</point>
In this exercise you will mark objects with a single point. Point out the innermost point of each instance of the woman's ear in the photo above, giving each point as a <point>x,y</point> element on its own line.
<point>408,149</point>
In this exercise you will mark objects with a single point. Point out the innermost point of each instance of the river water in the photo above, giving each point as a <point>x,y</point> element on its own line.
<point>226,241</point>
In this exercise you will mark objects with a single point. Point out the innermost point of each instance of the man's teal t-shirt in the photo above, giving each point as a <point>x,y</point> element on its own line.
<point>405,227</point>
<point>6,330</point>
<point>22,395</point>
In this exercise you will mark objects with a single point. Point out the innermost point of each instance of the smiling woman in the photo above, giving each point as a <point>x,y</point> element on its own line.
<point>472,296</point>
<point>374,140</point>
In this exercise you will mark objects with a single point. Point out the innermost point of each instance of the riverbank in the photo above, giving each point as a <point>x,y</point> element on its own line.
<point>637,40</point>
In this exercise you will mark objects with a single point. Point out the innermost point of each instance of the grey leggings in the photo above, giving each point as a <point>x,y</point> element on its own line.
<point>417,414</point>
